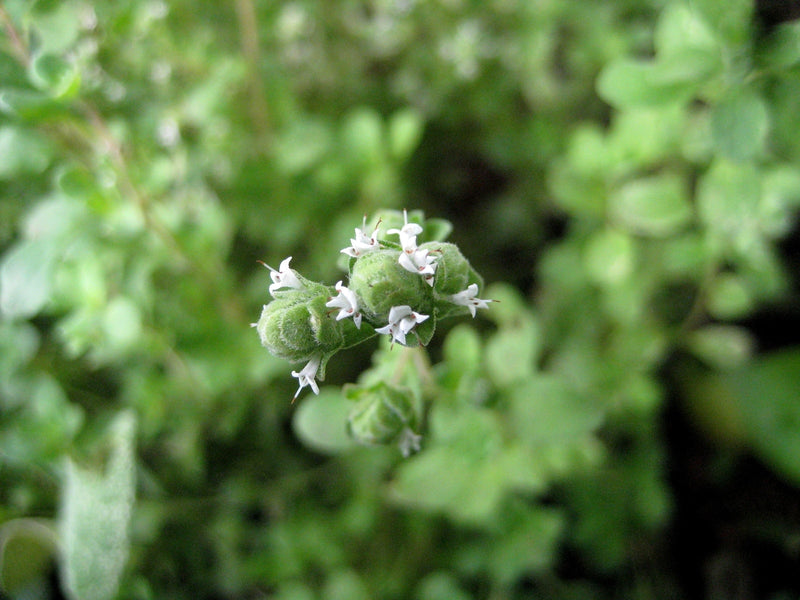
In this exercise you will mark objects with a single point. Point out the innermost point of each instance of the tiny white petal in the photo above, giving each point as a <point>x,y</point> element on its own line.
<point>420,262</point>
<point>283,277</point>
<point>401,321</point>
<point>347,302</point>
<point>398,312</point>
<point>408,234</point>
<point>307,376</point>
<point>408,442</point>
<point>467,298</point>
<point>362,243</point>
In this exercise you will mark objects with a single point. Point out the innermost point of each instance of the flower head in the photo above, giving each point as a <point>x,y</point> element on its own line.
<point>401,321</point>
<point>361,244</point>
<point>307,376</point>
<point>284,277</point>
<point>347,303</point>
<point>467,298</point>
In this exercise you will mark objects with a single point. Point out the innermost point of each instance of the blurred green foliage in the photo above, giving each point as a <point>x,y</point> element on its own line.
<point>623,172</point>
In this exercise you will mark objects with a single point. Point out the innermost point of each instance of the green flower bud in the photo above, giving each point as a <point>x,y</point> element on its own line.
<point>453,271</point>
<point>383,414</point>
<point>297,327</point>
<point>380,283</point>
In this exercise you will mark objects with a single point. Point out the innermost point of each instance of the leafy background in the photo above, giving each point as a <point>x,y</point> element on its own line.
<point>624,423</point>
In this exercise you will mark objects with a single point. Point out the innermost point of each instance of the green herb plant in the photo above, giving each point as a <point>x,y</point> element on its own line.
<point>624,174</point>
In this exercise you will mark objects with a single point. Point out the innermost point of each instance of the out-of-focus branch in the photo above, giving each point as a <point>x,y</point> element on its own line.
<point>248,35</point>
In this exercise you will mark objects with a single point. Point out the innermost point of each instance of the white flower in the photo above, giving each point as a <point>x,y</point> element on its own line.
<point>362,244</point>
<point>401,320</point>
<point>420,261</point>
<point>307,376</point>
<point>412,258</point>
<point>347,302</point>
<point>283,277</point>
<point>408,234</point>
<point>408,442</point>
<point>467,298</point>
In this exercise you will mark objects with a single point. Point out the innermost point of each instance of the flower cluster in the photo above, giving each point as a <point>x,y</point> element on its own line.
<point>396,287</point>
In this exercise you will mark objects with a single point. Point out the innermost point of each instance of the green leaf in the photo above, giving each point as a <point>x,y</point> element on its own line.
<point>302,145</point>
<point>362,137</point>
<point>19,342</point>
<point>511,352</point>
<point>729,297</point>
<point>22,152</point>
<point>680,27</point>
<point>26,277</point>
<point>780,199</point>
<point>609,256</point>
<point>509,306</point>
<point>405,132</point>
<point>528,543</point>
<point>30,105</point>
<point>320,421</point>
<point>52,74</point>
<point>739,125</point>
<point>462,349</point>
<point>94,517</point>
<point>730,20</point>
<point>436,230</point>
<point>58,25</point>
<point>444,480</point>
<point>630,83</point>
<point>45,425</point>
<point>655,206</point>
<point>440,585</point>
<point>781,48</point>
<point>766,393</point>
<point>27,549</point>
<point>722,346</point>
<point>728,201</point>
<point>456,475</point>
<point>344,585</point>
<point>544,409</point>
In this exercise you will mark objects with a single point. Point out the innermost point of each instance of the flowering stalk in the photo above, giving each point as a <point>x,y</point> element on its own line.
<point>396,289</point>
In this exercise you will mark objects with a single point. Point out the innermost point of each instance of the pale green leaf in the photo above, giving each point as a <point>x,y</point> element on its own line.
<point>739,125</point>
<point>302,145</point>
<point>22,152</point>
<point>27,549</point>
<point>26,277</point>
<point>766,392</point>
<point>678,28</point>
<point>609,256</point>
<point>655,206</point>
<point>729,297</point>
<point>94,517</point>
<point>511,352</point>
<point>405,132</point>
<point>730,20</point>
<point>363,137</point>
<point>545,409</point>
<point>728,200</point>
<point>781,48</point>
<point>722,346</point>
<point>320,421</point>
<point>52,74</point>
